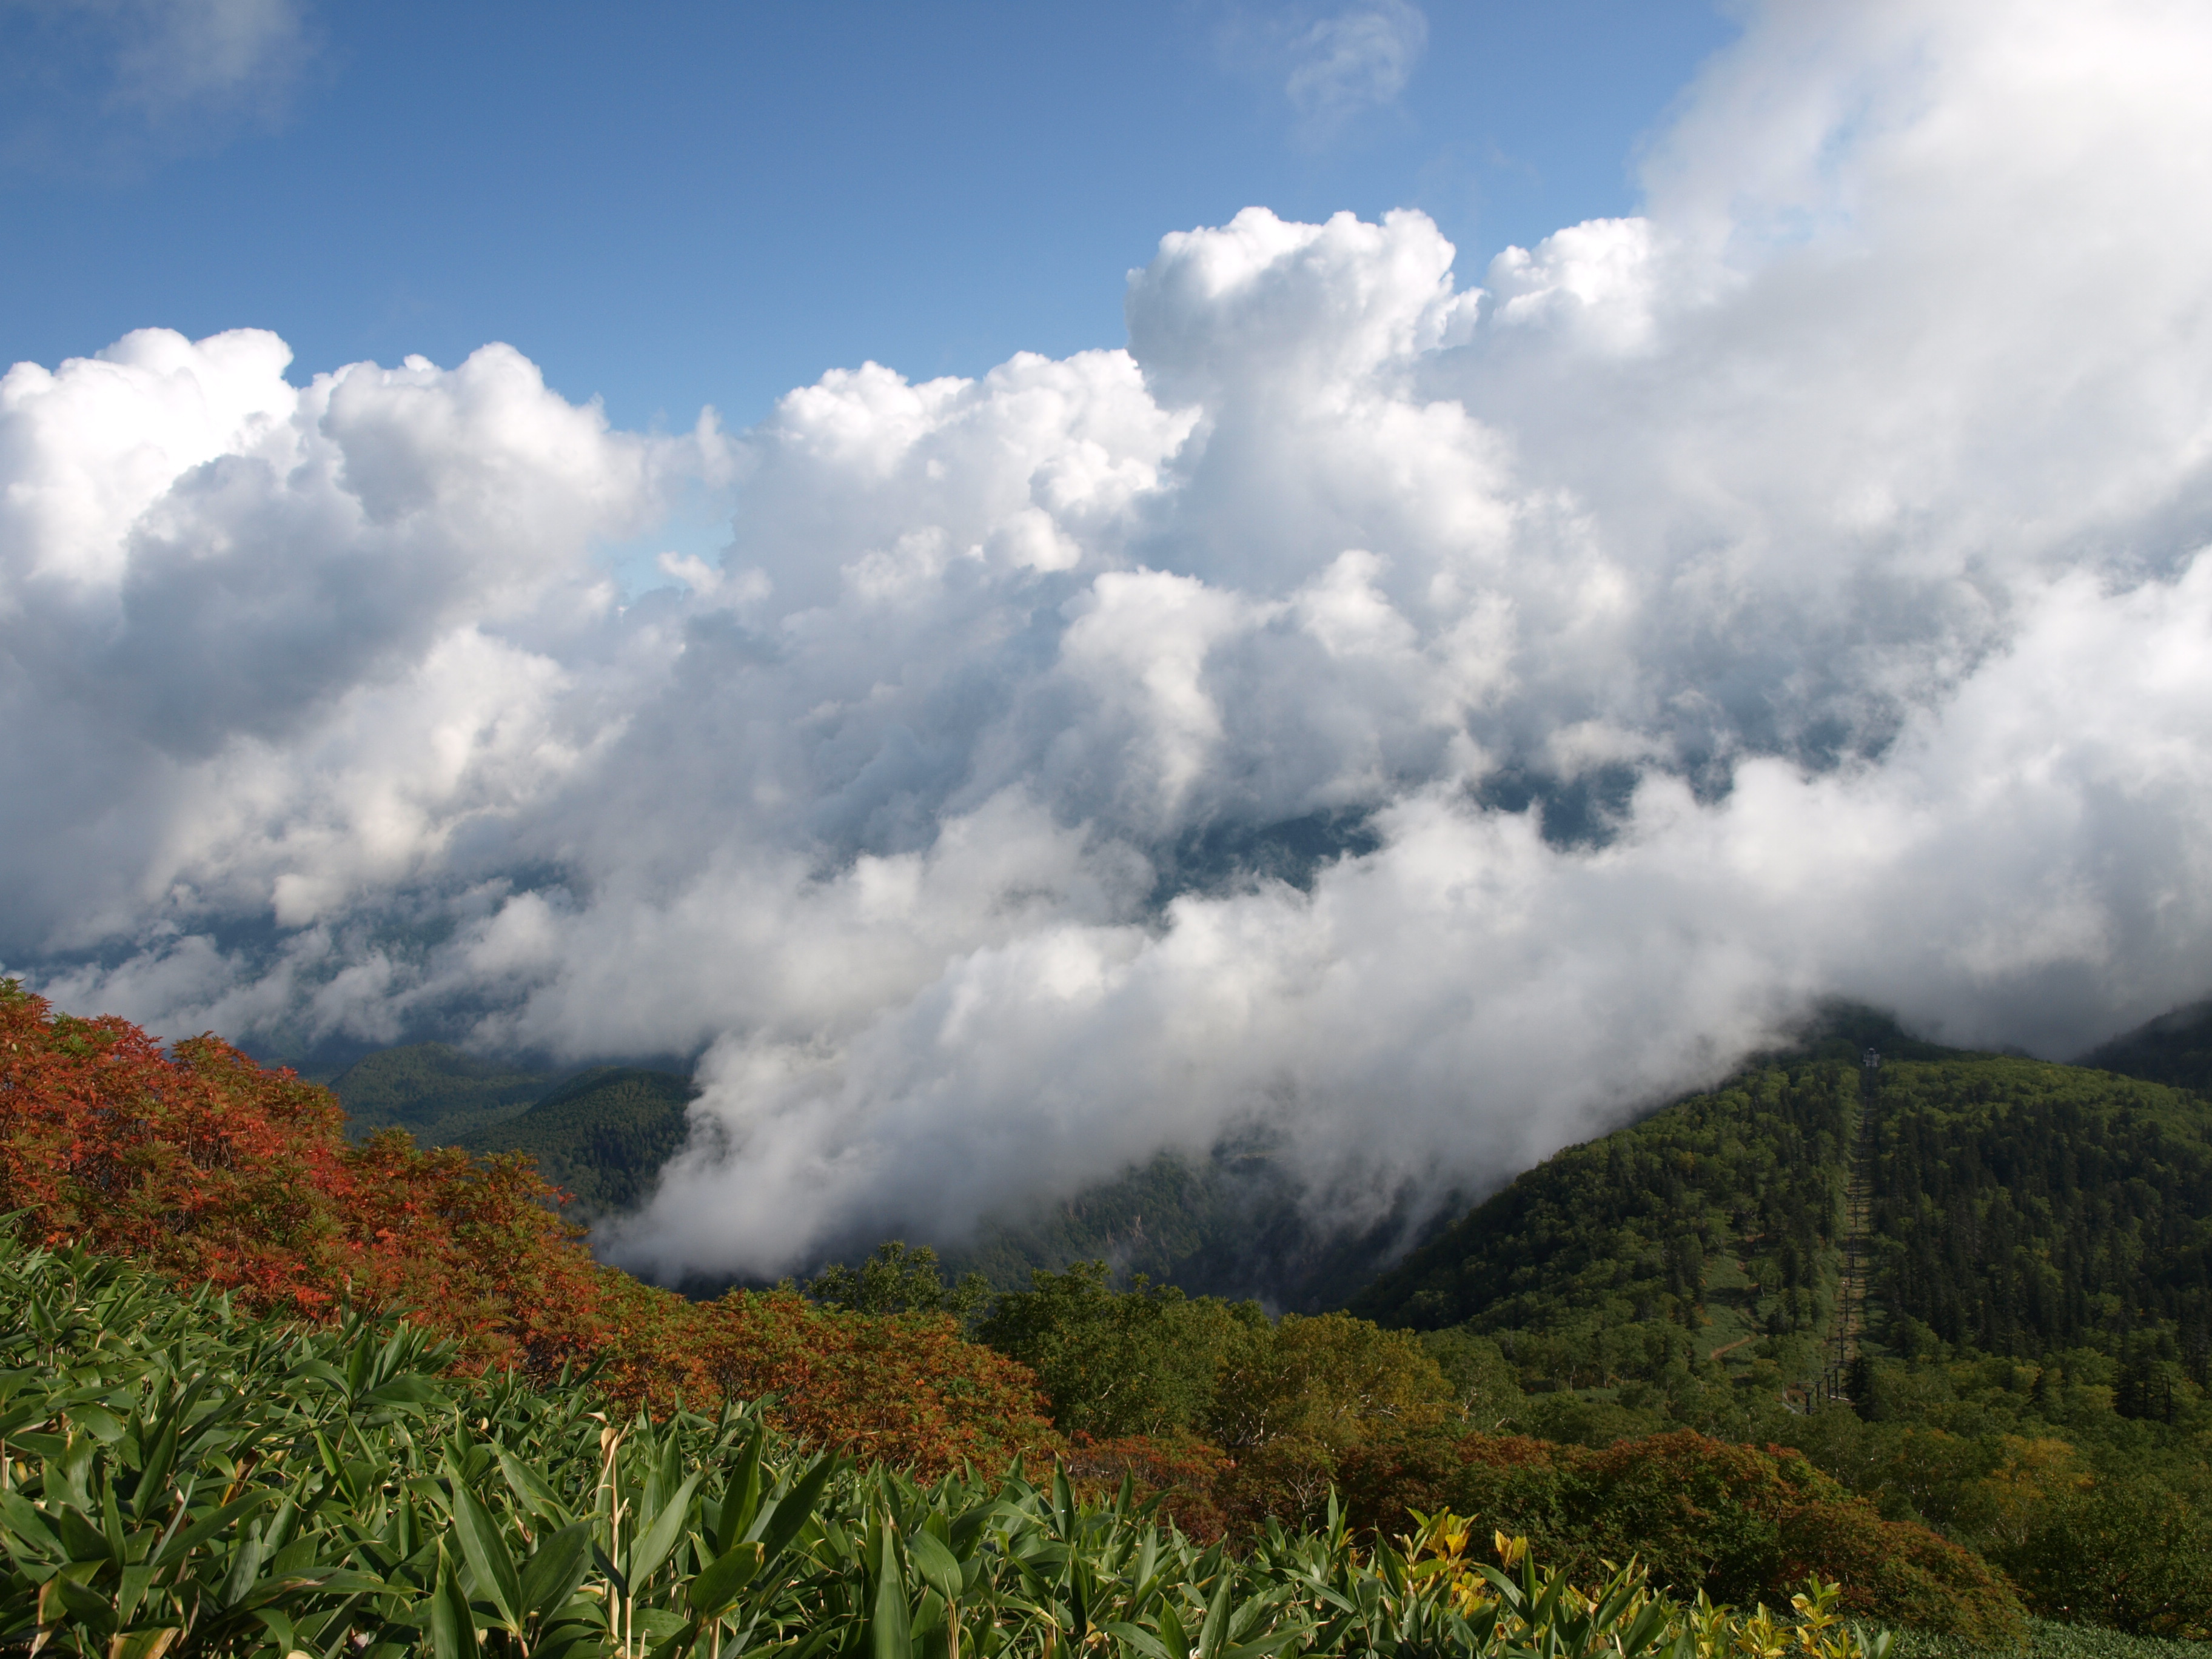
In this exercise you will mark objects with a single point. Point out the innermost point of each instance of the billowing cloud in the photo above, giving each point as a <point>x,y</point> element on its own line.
<point>1424,719</point>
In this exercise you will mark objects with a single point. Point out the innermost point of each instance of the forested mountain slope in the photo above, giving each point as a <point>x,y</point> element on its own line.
<point>2023,1209</point>
<point>2175,1049</point>
<point>1229,1225</point>
<point>434,1090</point>
<point>2010,1206</point>
<point>1719,1214</point>
<point>601,1137</point>
<point>1974,1287</point>
<point>600,1134</point>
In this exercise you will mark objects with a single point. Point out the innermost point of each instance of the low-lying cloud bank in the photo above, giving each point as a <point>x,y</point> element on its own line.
<point>1425,720</point>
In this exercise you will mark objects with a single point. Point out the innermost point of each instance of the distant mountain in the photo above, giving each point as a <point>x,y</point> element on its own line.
<point>1813,1210</point>
<point>435,1092</point>
<point>2175,1049</point>
<point>602,1136</point>
<point>1229,1225</point>
<point>1975,1288</point>
<point>1706,1224</point>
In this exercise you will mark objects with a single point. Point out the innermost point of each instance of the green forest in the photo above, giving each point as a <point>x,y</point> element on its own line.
<point>600,1134</point>
<point>1973,1288</point>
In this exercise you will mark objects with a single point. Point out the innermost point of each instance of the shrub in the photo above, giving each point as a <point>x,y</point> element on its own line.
<point>209,1169</point>
<point>1117,1364</point>
<point>1732,1522</point>
<point>2130,1552</point>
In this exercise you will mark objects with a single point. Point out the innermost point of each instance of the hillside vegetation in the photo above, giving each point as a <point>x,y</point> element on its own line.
<point>205,1167</point>
<point>2027,1210</point>
<point>1970,1288</point>
<point>1715,1220</point>
<point>188,1479</point>
<point>215,1174</point>
<point>601,1137</point>
<point>1229,1223</point>
<point>434,1090</point>
<point>1973,1288</point>
<point>2174,1049</point>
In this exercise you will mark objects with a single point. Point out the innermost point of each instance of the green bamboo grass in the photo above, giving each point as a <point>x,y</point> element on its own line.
<point>177,1479</point>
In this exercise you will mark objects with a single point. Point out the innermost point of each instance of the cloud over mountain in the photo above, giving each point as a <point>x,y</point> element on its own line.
<point>1423,717</point>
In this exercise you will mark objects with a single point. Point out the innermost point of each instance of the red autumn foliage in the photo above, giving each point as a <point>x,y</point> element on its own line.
<point>212,1169</point>
<point>905,1389</point>
<point>1187,1474</point>
<point>209,1167</point>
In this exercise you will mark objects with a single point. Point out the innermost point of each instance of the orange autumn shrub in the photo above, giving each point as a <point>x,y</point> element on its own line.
<point>215,1170</point>
<point>1184,1473</point>
<point>903,1388</point>
<point>209,1167</point>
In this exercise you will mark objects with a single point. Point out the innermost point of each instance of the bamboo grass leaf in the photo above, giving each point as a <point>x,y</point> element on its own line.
<point>741,1503</point>
<point>22,1518</point>
<point>550,1576</point>
<point>1141,1639</point>
<point>486,1553</point>
<point>1213,1633</point>
<point>406,1390</point>
<point>151,1643</point>
<point>712,1590</point>
<point>1171,1633</point>
<point>780,1526</point>
<point>889,1635</point>
<point>208,1526</point>
<point>660,1535</point>
<point>940,1568</point>
<point>452,1626</point>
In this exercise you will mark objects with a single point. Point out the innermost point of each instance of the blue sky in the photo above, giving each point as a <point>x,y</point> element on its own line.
<point>688,204</point>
